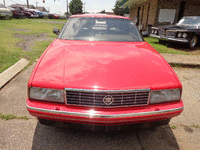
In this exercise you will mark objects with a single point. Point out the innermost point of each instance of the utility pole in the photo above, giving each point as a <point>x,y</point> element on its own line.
<point>48,9</point>
<point>67,9</point>
<point>36,4</point>
<point>27,4</point>
<point>4,2</point>
<point>84,7</point>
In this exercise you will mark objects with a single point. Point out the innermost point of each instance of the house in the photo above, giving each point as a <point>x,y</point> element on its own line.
<point>17,5</point>
<point>149,13</point>
<point>42,9</point>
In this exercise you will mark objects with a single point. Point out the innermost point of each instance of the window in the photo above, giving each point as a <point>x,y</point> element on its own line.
<point>100,29</point>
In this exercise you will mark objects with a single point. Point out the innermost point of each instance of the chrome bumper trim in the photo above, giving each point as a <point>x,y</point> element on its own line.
<point>177,40</point>
<point>153,35</point>
<point>95,114</point>
<point>170,39</point>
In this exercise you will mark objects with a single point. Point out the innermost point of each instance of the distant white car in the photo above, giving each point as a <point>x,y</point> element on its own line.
<point>5,12</point>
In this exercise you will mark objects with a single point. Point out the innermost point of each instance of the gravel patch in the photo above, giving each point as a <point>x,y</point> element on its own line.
<point>20,30</point>
<point>53,22</point>
<point>29,40</point>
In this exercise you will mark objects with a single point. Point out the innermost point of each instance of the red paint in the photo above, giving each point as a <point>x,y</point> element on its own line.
<point>106,65</point>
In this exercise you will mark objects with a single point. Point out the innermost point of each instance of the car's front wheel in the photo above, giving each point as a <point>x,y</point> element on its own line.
<point>46,122</point>
<point>193,42</point>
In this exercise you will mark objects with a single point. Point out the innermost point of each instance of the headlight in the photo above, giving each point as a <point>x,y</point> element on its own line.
<point>165,96</point>
<point>179,35</point>
<point>184,35</point>
<point>45,94</point>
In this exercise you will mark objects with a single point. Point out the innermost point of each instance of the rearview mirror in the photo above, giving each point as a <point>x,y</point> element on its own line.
<point>56,31</point>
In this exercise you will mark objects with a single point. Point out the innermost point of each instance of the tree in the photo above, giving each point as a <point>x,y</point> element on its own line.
<point>118,10</point>
<point>75,7</point>
<point>103,12</point>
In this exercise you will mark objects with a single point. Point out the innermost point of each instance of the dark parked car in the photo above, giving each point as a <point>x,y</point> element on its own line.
<point>53,16</point>
<point>17,13</point>
<point>187,30</point>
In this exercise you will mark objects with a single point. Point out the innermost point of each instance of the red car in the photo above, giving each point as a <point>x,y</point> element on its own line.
<point>100,71</point>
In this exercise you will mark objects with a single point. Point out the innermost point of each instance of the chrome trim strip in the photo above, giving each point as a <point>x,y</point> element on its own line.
<point>178,40</point>
<point>155,28</point>
<point>91,115</point>
<point>178,30</point>
<point>107,91</point>
<point>153,35</point>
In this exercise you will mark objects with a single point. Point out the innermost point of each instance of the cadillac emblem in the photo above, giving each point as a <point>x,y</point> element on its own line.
<point>108,100</point>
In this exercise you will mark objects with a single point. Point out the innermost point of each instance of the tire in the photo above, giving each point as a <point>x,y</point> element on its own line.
<point>193,42</point>
<point>161,41</point>
<point>46,122</point>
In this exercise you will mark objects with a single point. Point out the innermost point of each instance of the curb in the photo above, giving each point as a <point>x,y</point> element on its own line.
<point>8,74</point>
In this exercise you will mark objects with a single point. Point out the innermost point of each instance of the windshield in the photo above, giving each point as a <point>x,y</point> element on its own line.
<point>189,21</point>
<point>100,29</point>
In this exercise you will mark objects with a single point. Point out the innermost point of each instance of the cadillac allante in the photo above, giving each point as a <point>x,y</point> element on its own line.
<point>100,71</point>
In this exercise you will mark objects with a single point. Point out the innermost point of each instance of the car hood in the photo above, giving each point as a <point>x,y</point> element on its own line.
<point>103,65</point>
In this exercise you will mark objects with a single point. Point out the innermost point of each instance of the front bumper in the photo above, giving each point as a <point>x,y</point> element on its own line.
<point>182,40</point>
<point>104,116</point>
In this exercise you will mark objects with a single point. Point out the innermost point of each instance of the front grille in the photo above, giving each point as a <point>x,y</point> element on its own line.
<point>171,34</point>
<point>95,98</point>
<point>161,32</point>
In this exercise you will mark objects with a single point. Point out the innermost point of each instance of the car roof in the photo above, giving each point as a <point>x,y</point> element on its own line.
<point>99,15</point>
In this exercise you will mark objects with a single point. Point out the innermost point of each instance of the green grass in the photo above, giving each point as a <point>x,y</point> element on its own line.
<point>173,127</point>
<point>196,126</point>
<point>37,50</point>
<point>9,117</point>
<point>165,47</point>
<point>9,52</point>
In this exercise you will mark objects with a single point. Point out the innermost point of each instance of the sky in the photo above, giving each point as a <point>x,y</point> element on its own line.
<point>60,6</point>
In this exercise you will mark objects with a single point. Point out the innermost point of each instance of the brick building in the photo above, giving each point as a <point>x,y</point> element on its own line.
<point>161,12</point>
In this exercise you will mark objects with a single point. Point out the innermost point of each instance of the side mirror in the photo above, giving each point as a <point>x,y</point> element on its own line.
<point>145,33</point>
<point>56,31</point>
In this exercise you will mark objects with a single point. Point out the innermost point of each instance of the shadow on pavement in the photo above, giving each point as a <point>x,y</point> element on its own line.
<point>54,138</point>
<point>179,46</point>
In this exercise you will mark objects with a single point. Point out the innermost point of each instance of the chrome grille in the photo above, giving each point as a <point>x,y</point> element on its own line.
<point>170,33</point>
<point>161,32</point>
<point>95,98</point>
